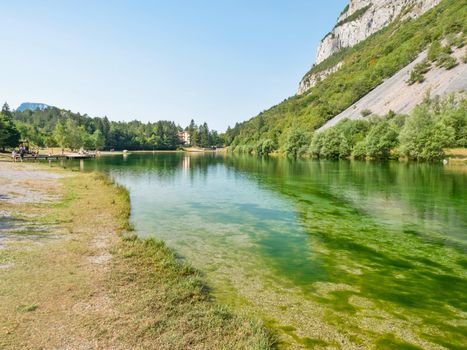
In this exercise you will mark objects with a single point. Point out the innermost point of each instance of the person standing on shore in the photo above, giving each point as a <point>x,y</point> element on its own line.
<point>13,155</point>
<point>22,151</point>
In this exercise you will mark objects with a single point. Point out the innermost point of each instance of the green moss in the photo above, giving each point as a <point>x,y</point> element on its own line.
<point>288,329</point>
<point>389,342</point>
<point>308,343</point>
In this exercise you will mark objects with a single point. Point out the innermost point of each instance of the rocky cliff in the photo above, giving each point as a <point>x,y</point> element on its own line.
<point>359,20</point>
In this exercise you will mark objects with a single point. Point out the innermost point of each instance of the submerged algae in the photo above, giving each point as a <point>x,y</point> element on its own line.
<point>346,253</point>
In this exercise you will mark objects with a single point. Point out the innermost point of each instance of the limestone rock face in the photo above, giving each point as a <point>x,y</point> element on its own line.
<point>357,22</point>
<point>309,81</point>
<point>364,18</point>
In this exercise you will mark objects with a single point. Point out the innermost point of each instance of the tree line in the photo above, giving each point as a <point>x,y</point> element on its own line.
<point>423,135</point>
<point>201,136</point>
<point>54,127</point>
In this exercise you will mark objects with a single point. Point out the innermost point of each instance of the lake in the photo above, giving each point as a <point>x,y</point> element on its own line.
<point>330,254</point>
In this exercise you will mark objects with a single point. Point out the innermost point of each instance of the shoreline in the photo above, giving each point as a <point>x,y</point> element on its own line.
<point>97,279</point>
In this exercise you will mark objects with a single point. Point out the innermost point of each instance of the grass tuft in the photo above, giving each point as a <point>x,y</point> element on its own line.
<point>27,308</point>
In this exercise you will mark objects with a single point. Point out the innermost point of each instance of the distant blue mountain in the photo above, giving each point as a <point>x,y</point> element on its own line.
<point>32,106</point>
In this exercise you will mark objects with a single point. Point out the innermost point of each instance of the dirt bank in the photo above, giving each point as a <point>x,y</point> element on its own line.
<point>73,279</point>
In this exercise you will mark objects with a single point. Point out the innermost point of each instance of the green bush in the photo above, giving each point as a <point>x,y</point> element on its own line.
<point>332,139</point>
<point>380,140</point>
<point>424,136</point>
<point>359,150</point>
<point>296,143</point>
<point>433,125</point>
<point>417,75</point>
<point>441,55</point>
<point>269,146</point>
<point>434,51</point>
<point>345,147</point>
<point>263,148</point>
<point>446,61</point>
<point>455,117</point>
<point>316,144</point>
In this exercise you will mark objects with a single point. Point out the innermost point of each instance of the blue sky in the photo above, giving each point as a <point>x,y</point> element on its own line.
<point>215,61</point>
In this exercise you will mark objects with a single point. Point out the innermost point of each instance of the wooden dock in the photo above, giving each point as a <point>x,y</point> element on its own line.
<point>57,156</point>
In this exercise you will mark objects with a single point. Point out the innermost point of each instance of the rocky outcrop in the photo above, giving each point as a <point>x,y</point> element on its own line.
<point>364,18</point>
<point>309,81</point>
<point>359,20</point>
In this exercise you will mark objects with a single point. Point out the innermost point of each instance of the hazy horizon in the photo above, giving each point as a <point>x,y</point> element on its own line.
<point>216,62</point>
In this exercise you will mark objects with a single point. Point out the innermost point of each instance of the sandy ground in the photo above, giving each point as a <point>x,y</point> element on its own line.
<point>22,185</point>
<point>53,273</point>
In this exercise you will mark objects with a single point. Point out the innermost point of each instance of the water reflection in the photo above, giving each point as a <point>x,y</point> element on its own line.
<point>361,251</point>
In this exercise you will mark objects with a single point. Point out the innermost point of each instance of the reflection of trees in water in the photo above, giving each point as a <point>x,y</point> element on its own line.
<point>427,190</point>
<point>408,266</point>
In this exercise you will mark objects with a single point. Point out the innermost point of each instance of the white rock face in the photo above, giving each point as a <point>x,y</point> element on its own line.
<point>362,19</point>
<point>377,16</point>
<point>310,81</point>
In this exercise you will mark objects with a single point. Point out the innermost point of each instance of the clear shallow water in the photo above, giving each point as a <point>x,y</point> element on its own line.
<point>348,255</point>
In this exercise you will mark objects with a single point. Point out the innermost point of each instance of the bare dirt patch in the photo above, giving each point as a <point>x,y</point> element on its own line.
<point>77,285</point>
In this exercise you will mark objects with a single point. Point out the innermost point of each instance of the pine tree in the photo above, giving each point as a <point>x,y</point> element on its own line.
<point>9,134</point>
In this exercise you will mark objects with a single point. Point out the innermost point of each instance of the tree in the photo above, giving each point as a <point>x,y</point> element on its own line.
<point>9,134</point>
<point>359,150</point>
<point>316,144</point>
<point>423,137</point>
<point>204,139</point>
<point>99,139</point>
<point>269,146</point>
<point>296,143</point>
<point>455,117</point>
<point>380,140</point>
<point>74,137</point>
<point>192,131</point>
<point>331,143</point>
<point>345,147</point>
<point>59,135</point>
<point>88,141</point>
<point>49,141</point>
<point>6,110</point>
<point>265,147</point>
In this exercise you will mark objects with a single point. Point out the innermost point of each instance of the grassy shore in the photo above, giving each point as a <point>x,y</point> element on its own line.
<point>74,276</point>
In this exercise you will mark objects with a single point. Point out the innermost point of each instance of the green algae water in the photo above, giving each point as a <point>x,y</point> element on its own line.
<point>331,255</point>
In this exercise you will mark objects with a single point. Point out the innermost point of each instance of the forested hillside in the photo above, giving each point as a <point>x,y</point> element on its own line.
<point>364,66</point>
<point>54,127</point>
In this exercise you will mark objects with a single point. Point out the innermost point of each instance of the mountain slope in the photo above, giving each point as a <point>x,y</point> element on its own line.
<point>363,67</point>
<point>32,106</point>
<point>398,96</point>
